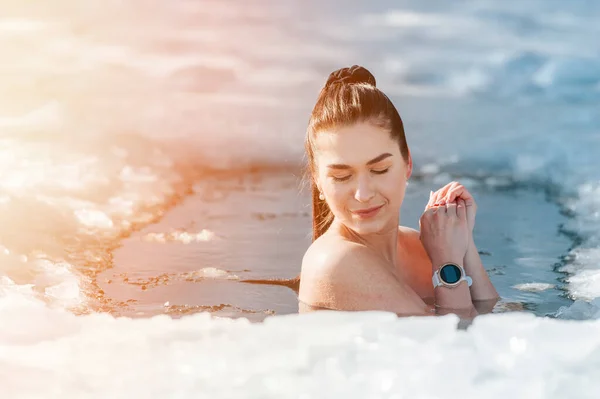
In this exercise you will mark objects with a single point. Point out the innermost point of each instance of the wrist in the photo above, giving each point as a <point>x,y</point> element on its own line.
<point>471,247</point>
<point>450,275</point>
<point>440,261</point>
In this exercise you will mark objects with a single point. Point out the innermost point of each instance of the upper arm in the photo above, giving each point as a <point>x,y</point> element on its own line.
<point>350,279</point>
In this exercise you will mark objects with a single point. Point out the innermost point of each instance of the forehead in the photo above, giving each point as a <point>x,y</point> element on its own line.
<point>354,145</point>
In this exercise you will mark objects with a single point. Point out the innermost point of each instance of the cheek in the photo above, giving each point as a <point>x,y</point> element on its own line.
<point>393,187</point>
<point>339,196</point>
<point>339,193</point>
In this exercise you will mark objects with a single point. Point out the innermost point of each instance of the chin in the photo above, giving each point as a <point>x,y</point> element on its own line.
<point>366,227</point>
<point>366,230</point>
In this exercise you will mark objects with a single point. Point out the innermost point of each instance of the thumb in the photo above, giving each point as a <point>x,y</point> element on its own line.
<point>430,199</point>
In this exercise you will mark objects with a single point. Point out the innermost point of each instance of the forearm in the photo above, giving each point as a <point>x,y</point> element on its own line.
<point>482,288</point>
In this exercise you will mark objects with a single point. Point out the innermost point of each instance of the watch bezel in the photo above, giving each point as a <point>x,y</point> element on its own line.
<point>446,283</point>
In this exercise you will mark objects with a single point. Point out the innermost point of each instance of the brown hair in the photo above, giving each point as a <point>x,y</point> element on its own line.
<point>350,96</point>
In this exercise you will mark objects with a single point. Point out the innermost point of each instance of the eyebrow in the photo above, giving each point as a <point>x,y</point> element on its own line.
<point>371,162</point>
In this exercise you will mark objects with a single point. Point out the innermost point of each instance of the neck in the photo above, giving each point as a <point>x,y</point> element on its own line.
<point>383,242</point>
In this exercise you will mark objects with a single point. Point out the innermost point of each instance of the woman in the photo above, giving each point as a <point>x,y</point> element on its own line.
<point>360,259</point>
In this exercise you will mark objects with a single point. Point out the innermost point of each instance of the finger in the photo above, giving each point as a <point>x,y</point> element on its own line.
<point>460,192</point>
<point>432,211</point>
<point>437,196</point>
<point>429,203</point>
<point>451,209</point>
<point>441,193</point>
<point>452,187</point>
<point>434,199</point>
<point>461,209</point>
<point>444,191</point>
<point>447,187</point>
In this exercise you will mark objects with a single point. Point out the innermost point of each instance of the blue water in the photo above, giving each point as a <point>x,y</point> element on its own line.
<point>114,113</point>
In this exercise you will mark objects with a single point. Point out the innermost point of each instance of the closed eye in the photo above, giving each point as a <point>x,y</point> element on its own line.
<point>381,171</point>
<point>374,171</point>
<point>340,179</point>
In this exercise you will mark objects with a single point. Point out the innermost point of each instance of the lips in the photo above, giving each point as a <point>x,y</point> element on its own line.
<point>367,212</point>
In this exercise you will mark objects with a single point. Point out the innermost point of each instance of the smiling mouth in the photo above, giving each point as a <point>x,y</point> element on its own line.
<point>365,213</point>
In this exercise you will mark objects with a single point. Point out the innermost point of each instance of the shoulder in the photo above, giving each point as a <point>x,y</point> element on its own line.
<point>335,257</point>
<point>411,233</point>
<point>342,275</point>
<point>411,239</point>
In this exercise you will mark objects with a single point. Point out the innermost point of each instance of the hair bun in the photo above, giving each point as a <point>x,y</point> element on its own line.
<point>353,75</point>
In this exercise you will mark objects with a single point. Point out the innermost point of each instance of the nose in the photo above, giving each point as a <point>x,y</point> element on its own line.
<point>364,190</point>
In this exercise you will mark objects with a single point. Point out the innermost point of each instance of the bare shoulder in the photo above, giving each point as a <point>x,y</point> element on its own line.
<point>408,232</point>
<point>342,275</point>
<point>331,257</point>
<point>412,238</point>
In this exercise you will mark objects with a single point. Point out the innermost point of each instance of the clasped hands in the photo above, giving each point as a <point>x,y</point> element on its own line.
<point>446,225</point>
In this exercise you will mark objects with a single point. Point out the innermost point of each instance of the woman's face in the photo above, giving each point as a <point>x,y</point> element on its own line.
<point>361,173</point>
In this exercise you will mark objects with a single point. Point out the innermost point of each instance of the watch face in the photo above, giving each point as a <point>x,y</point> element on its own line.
<point>450,274</point>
